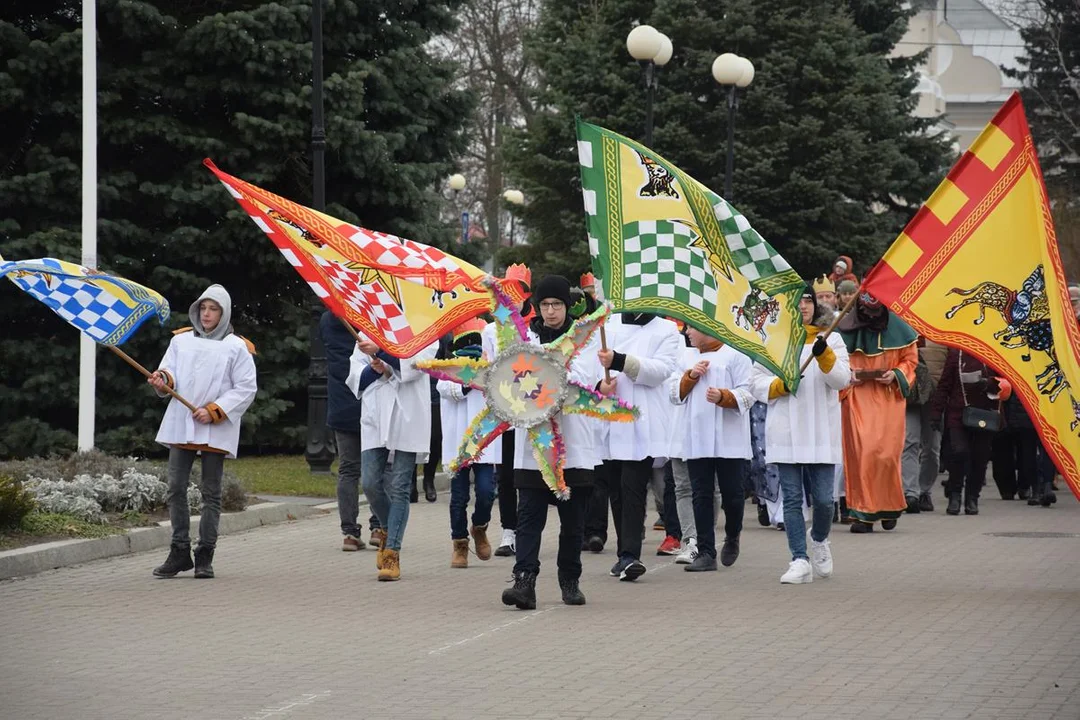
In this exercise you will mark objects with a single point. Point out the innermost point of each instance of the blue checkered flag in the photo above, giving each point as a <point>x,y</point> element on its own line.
<point>105,307</point>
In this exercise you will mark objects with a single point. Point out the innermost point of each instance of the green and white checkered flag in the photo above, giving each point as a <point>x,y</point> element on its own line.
<point>662,242</point>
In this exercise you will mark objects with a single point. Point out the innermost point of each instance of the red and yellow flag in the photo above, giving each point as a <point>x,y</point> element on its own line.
<point>402,294</point>
<point>978,268</point>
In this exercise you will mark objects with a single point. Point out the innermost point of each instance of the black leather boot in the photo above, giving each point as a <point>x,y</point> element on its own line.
<point>971,505</point>
<point>571,592</point>
<point>523,594</point>
<point>954,504</point>
<point>204,557</point>
<point>178,561</point>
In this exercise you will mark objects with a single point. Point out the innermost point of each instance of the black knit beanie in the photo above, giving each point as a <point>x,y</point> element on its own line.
<point>555,287</point>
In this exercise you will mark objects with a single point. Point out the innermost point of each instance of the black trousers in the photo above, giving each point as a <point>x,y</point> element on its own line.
<point>706,474</point>
<point>1015,456</point>
<point>628,487</point>
<point>504,478</point>
<point>672,526</point>
<point>532,512</point>
<point>596,511</point>
<point>969,454</point>
<point>435,450</point>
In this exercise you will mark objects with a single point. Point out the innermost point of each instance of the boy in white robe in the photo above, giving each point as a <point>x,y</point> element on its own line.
<point>211,367</point>
<point>460,404</point>
<point>802,437</point>
<point>644,350</point>
<point>713,403</point>
<point>395,427</point>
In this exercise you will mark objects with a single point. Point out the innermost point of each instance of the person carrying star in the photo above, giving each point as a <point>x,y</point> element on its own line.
<point>551,298</point>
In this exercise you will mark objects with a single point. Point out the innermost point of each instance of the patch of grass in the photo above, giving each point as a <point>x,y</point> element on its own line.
<point>45,527</point>
<point>282,475</point>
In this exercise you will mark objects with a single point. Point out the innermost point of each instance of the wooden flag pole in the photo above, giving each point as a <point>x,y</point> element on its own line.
<point>131,361</point>
<point>832,326</point>
<point>603,346</point>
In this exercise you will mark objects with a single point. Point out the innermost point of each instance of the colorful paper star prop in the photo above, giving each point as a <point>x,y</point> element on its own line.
<point>526,387</point>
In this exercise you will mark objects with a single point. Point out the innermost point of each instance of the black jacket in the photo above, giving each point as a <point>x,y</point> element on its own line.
<point>342,407</point>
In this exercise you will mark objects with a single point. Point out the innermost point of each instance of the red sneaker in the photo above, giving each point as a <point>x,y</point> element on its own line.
<point>670,546</point>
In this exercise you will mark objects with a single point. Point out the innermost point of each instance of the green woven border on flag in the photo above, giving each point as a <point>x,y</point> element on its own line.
<point>735,247</point>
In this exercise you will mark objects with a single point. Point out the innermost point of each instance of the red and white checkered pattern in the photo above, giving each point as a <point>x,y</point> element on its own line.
<point>390,250</point>
<point>369,299</point>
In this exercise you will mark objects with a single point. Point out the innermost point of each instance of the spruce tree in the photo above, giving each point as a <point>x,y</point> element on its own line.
<point>828,158</point>
<point>179,82</point>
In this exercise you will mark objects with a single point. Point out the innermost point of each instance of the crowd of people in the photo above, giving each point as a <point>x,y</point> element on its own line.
<point>879,412</point>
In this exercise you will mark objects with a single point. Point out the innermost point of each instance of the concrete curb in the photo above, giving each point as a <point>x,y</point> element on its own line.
<point>49,556</point>
<point>63,553</point>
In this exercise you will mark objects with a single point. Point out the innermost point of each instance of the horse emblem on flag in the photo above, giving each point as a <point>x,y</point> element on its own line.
<point>1026,313</point>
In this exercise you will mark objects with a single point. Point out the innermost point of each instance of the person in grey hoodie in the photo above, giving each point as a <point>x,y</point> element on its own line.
<point>212,368</point>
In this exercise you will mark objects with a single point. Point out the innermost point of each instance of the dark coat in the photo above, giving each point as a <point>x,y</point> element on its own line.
<point>342,407</point>
<point>949,397</point>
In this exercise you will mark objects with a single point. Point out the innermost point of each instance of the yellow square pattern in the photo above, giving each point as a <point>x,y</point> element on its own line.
<point>946,201</point>
<point>903,255</point>
<point>991,146</point>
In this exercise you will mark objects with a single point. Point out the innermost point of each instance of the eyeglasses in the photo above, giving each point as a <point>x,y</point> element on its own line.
<point>556,305</point>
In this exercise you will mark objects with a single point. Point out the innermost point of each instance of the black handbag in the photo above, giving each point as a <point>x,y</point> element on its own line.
<point>979,419</point>
<point>976,418</point>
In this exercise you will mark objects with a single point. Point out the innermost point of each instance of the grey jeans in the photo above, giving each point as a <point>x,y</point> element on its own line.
<point>684,503</point>
<point>213,465</point>
<point>348,483</point>
<point>922,449</point>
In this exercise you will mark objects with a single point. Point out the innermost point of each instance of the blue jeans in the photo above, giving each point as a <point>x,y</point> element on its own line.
<point>484,477</point>
<point>348,483</point>
<point>818,480</point>
<point>387,486</point>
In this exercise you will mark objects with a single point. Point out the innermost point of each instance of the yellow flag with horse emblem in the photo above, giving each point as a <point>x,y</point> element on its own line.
<point>978,268</point>
<point>662,242</point>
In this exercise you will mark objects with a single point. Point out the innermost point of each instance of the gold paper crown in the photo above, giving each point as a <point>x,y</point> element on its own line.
<point>519,272</point>
<point>824,284</point>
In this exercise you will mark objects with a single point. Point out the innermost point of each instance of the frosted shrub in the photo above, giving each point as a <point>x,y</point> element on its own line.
<point>194,498</point>
<point>140,491</point>
<point>81,507</point>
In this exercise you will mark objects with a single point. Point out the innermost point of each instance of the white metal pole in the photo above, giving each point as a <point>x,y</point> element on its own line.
<point>87,347</point>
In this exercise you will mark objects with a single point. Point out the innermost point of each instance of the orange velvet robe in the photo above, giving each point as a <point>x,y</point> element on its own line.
<point>873,432</point>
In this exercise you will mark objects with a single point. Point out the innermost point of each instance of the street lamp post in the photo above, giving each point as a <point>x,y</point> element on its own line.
<point>457,184</point>
<point>652,49</point>
<point>319,451</point>
<point>514,197</point>
<point>735,72</point>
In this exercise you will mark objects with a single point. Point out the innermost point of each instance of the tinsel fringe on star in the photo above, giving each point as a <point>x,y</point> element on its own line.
<point>501,298</point>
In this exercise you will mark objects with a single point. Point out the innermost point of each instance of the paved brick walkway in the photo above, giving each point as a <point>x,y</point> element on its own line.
<point>939,619</point>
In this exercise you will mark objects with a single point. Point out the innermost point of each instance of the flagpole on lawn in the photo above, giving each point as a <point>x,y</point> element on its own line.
<point>87,347</point>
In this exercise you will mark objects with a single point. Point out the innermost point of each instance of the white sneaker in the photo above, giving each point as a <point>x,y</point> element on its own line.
<point>507,547</point>
<point>820,557</point>
<point>798,572</point>
<point>688,553</point>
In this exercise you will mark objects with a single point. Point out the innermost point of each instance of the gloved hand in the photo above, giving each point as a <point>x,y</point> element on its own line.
<point>819,346</point>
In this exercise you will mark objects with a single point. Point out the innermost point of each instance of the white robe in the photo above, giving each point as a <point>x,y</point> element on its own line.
<point>396,410</point>
<point>657,346</point>
<point>707,430</point>
<point>457,410</point>
<point>805,428</point>
<point>207,371</point>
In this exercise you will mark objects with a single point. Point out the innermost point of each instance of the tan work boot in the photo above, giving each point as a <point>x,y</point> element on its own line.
<point>479,536</point>
<point>460,558</point>
<point>391,567</point>
<point>378,539</point>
